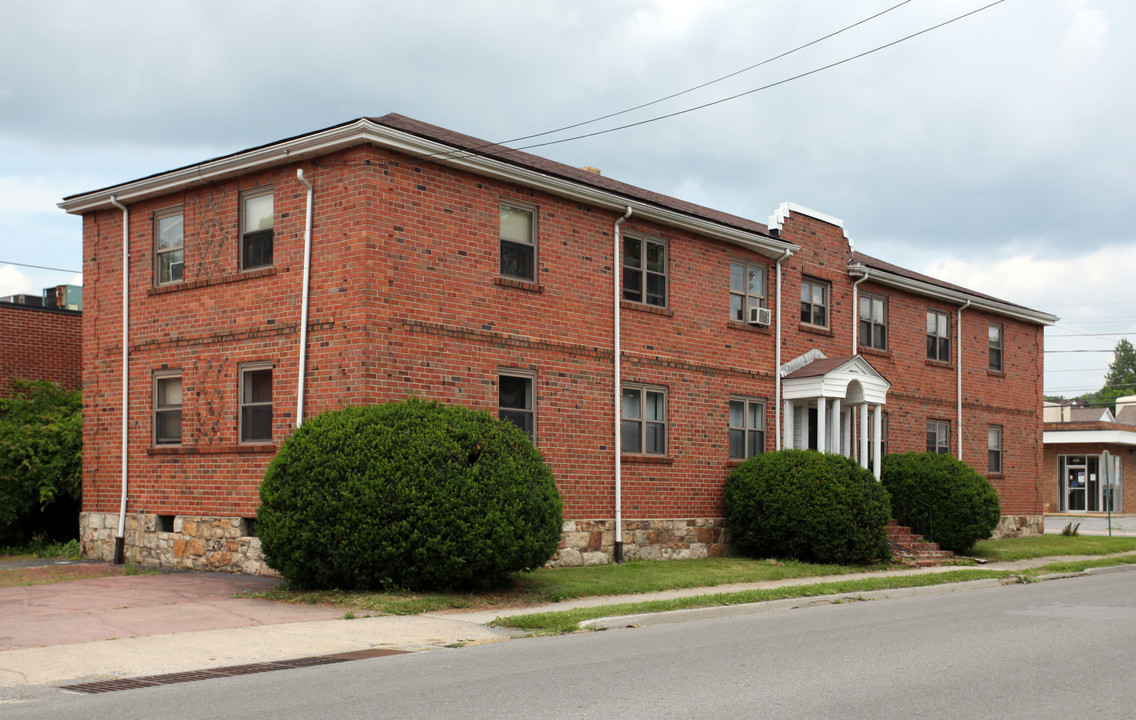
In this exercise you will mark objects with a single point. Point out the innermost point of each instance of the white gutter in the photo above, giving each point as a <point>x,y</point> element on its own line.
<point>617,271</point>
<point>777,351</point>
<point>304,300</point>
<point>120,539</point>
<point>366,131</point>
<point>958,354</point>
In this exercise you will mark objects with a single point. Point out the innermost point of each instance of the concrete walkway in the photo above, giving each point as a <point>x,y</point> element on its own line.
<point>130,626</point>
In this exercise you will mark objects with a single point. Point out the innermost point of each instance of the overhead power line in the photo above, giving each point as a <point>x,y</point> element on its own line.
<point>38,267</point>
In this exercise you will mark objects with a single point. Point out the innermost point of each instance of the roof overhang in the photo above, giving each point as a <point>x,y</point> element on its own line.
<point>1095,437</point>
<point>952,296</point>
<point>365,130</point>
<point>854,380</point>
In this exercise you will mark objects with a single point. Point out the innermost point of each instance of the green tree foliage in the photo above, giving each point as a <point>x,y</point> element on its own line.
<point>1120,380</point>
<point>809,506</point>
<point>964,504</point>
<point>41,461</point>
<point>414,495</point>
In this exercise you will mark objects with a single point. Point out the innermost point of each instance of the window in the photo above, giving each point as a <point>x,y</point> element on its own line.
<point>994,448</point>
<point>256,403</point>
<point>938,336</point>
<point>167,408</point>
<point>515,401</point>
<point>256,229</point>
<point>747,288</point>
<point>644,426</point>
<point>747,428</point>
<point>938,437</point>
<point>814,302</point>
<point>518,243</point>
<point>169,246</point>
<point>996,347</point>
<point>873,321</point>
<point>645,271</point>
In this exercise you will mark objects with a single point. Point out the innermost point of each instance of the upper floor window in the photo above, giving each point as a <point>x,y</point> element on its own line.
<point>994,448</point>
<point>747,288</point>
<point>518,242</point>
<point>938,437</point>
<point>873,321</point>
<point>167,408</point>
<point>938,336</point>
<point>169,246</point>
<point>644,420</point>
<point>515,401</point>
<point>645,271</point>
<point>747,428</point>
<point>996,347</point>
<point>814,302</point>
<point>255,403</point>
<point>256,229</point>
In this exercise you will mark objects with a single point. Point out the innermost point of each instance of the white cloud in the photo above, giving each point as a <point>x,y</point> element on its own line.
<point>14,282</point>
<point>1085,38</point>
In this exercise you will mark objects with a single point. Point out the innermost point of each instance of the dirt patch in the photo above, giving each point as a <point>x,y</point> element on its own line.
<point>47,574</point>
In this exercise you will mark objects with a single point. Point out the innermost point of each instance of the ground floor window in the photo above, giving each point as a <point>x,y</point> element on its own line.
<point>516,402</point>
<point>994,449</point>
<point>747,427</point>
<point>644,420</point>
<point>255,403</point>
<point>938,437</point>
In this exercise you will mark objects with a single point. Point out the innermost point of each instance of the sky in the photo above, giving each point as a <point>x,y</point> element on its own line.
<point>995,152</point>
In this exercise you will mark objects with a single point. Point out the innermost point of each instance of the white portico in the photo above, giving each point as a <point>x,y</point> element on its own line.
<point>830,403</point>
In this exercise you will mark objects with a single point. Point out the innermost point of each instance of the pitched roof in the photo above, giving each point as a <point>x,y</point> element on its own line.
<point>820,366</point>
<point>876,264</point>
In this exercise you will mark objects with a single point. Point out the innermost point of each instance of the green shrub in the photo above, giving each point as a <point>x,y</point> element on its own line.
<point>964,505</point>
<point>808,506</point>
<point>41,461</point>
<point>413,494</point>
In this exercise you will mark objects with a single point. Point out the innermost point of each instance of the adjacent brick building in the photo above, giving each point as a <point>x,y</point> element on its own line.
<point>1077,475</point>
<point>452,269</point>
<point>40,343</point>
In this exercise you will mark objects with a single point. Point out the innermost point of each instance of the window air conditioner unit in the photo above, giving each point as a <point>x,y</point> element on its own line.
<point>760,316</point>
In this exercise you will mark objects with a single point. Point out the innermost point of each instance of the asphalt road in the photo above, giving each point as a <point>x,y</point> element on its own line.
<point>1057,649</point>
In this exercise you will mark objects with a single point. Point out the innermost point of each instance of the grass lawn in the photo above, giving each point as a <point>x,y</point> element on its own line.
<point>1051,546</point>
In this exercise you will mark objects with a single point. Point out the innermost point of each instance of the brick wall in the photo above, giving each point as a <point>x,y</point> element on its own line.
<point>39,344</point>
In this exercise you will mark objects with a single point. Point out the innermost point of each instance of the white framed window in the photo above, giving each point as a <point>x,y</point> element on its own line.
<point>644,420</point>
<point>746,427</point>
<point>516,400</point>
<point>873,321</point>
<point>994,448</point>
<point>167,407</point>
<point>747,288</point>
<point>255,392</point>
<point>938,336</point>
<point>995,335</point>
<point>169,246</point>
<point>814,302</point>
<point>645,271</point>
<point>518,241</point>
<point>939,437</point>
<point>257,217</point>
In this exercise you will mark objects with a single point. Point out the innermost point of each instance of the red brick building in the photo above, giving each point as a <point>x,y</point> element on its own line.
<point>385,257</point>
<point>40,343</point>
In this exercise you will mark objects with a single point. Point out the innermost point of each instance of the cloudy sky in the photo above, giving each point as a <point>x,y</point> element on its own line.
<point>996,152</point>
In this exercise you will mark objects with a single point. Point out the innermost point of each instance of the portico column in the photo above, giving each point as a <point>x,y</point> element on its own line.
<point>788,429</point>
<point>848,422</point>
<point>864,435</point>
<point>822,426</point>
<point>878,427</point>
<point>834,428</point>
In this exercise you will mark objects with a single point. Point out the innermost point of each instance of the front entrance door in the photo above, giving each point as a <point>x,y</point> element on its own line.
<point>1075,479</point>
<point>1081,483</point>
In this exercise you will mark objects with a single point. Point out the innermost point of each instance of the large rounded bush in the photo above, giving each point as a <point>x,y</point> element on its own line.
<point>964,505</point>
<point>413,494</point>
<point>809,506</point>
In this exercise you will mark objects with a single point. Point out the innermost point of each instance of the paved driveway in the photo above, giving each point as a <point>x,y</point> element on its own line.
<point>1094,524</point>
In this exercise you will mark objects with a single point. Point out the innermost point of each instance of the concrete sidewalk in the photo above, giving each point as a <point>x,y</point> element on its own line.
<point>130,626</point>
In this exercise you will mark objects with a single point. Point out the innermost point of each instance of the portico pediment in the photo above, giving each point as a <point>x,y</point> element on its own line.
<point>849,378</point>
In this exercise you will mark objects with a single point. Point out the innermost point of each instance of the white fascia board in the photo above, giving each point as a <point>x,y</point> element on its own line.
<point>1103,437</point>
<point>366,131</point>
<point>952,296</point>
<point>777,219</point>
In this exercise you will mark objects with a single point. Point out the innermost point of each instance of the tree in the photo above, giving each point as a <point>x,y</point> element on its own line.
<point>41,460</point>
<point>1120,380</point>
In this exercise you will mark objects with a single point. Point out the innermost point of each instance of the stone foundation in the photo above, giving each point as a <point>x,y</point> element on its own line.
<point>196,543</point>
<point>1012,526</point>
<point>592,542</point>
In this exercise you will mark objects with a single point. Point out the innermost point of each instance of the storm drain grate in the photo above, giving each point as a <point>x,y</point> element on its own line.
<point>103,686</point>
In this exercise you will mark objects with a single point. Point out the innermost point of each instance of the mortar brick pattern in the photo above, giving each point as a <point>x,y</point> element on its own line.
<point>40,344</point>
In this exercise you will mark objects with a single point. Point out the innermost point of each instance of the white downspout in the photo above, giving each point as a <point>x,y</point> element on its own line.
<point>856,314</point>
<point>777,360</point>
<point>617,271</point>
<point>120,539</point>
<point>304,301</point>
<point>958,354</point>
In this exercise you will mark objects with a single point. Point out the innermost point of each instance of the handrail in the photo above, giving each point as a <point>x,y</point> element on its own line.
<point>913,512</point>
